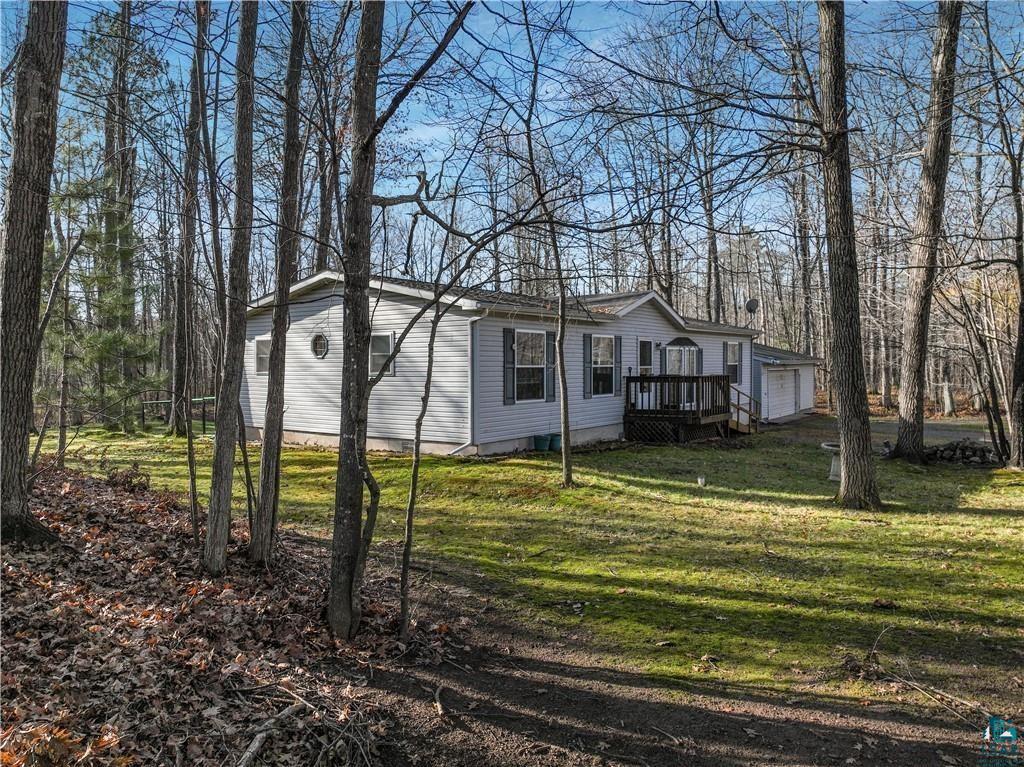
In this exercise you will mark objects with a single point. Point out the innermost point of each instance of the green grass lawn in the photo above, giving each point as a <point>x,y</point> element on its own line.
<point>757,569</point>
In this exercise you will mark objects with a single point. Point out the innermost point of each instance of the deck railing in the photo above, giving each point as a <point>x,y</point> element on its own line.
<point>744,403</point>
<point>683,397</point>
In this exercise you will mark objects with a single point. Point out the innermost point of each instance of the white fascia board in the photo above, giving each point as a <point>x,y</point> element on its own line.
<point>651,295</point>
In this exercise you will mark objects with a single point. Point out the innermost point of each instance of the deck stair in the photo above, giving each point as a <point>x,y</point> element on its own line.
<point>742,403</point>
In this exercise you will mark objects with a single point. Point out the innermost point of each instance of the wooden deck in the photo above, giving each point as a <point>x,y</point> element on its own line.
<point>670,408</point>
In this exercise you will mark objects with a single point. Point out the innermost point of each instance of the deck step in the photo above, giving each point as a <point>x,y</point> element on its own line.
<point>742,428</point>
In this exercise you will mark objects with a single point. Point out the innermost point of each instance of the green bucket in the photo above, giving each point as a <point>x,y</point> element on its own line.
<point>541,441</point>
<point>556,441</point>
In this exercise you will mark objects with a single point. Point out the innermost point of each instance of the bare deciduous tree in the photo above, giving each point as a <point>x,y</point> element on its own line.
<point>25,222</point>
<point>927,230</point>
<point>857,488</point>
<point>218,525</point>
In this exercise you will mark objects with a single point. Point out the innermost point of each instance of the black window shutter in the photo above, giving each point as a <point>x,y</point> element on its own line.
<point>739,365</point>
<point>618,366</point>
<point>509,335</point>
<point>588,366</point>
<point>725,357</point>
<point>663,361</point>
<point>549,367</point>
<point>700,361</point>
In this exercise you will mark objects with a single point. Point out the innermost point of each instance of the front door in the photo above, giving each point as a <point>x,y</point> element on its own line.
<point>682,361</point>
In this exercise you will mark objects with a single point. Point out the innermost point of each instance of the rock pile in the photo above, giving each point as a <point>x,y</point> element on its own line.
<point>962,451</point>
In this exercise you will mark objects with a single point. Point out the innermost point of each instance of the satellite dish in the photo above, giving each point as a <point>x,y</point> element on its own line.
<point>751,305</point>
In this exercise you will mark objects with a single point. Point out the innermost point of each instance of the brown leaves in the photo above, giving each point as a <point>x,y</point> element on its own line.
<point>119,650</point>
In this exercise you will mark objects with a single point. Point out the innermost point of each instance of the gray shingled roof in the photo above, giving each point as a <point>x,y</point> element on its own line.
<point>611,302</point>
<point>783,355</point>
<point>577,306</point>
<point>692,323</point>
<point>608,304</point>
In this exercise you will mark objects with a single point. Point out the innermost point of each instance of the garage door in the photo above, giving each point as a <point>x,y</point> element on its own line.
<point>782,393</point>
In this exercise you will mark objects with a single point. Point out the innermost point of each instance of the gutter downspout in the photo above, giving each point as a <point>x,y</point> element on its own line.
<point>471,370</point>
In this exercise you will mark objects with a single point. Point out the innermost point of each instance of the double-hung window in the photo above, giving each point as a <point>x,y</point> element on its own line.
<point>530,360</point>
<point>262,355</point>
<point>602,360</point>
<point>380,351</point>
<point>732,361</point>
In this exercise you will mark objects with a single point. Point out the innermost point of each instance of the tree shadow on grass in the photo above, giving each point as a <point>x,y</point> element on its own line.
<point>554,694</point>
<point>551,687</point>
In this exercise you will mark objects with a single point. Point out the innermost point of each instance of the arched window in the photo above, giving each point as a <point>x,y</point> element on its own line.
<point>319,345</point>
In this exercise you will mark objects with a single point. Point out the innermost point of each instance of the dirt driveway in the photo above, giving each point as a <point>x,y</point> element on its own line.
<point>521,697</point>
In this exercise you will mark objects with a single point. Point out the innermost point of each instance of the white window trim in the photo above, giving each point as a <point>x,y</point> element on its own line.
<point>690,395</point>
<point>543,367</point>
<point>391,348</point>
<point>729,345</point>
<point>594,367</point>
<point>312,350</point>
<point>639,367</point>
<point>256,355</point>
<point>684,351</point>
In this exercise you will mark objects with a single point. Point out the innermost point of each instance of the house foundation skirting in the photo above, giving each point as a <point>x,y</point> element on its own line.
<point>579,437</point>
<point>372,443</point>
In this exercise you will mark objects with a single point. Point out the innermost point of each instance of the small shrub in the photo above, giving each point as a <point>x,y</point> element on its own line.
<point>133,479</point>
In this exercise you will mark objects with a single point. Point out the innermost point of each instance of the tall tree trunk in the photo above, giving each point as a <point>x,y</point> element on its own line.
<point>804,246</point>
<point>551,230</point>
<point>410,509</point>
<point>107,294</point>
<point>343,609</point>
<point>65,381</point>
<point>227,425</point>
<point>716,299</point>
<point>325,209</point>
<point>927,230</point>
<point>25,222</point>
<point>181,406</point>
<point>261,541</point>
<point>125,213</point>
<point>857,489</point>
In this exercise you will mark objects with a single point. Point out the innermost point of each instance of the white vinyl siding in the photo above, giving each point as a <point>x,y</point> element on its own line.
<point>496,422</point>
<point>807,387</point>
<point>313,386</point>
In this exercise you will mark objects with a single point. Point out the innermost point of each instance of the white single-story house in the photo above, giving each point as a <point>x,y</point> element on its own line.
<point>783,382</point>
<point>494,382</point>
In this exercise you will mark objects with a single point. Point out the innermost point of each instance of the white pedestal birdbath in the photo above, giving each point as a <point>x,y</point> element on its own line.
<point>835,471</point>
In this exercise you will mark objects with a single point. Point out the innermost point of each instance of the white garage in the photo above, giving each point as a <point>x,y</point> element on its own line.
<point>783,382</point>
